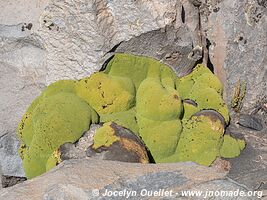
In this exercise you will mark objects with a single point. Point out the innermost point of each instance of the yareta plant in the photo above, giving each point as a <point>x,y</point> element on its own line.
<point>178,119</point>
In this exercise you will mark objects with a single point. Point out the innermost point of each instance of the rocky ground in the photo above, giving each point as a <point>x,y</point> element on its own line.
<point>90,175</point>
<point>50,40</point>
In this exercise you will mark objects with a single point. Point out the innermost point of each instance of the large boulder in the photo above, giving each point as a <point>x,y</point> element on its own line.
<point>90,179</point>
<point>236,32</point>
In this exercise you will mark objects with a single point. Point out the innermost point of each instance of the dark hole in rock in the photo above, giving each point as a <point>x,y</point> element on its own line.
<point>114,48</point>
<point>29,26</point>
<point>209,63</point>
<point>106,62</point>
<point>183,14</point>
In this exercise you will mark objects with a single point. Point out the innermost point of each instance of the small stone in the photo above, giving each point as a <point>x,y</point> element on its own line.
<point>119,144</point>
<point>78,149</point>
<point>250,122</point>
<point>213,115</point>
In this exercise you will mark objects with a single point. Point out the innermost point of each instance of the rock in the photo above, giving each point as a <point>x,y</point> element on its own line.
<point>126,147</point>
<point>1,175</point>
<point>236,32</point>
<point>251,122</point>
<point>250,167</point>
<point>10,162</point>
<point>22,77</point>
<point>86,179</point>
<point>78,149</point>
<point>87,139</point>
<point>19,85</point>
<point>129,147</point>
<point>27,11</point>
<point>78,35</point>
<point>8,181</point>
<point>172,46</point>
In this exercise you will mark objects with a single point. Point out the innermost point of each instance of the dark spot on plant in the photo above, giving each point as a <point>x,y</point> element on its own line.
<point>176,97</point>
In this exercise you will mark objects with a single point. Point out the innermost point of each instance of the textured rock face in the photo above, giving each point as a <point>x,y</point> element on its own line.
<point>76,179</point>
<point>236,33</point>
<point>77,35</point>
<point>10,164</point>
<point>238,45</point>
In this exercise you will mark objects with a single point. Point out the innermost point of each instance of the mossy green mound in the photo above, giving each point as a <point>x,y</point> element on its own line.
<point>205,89</point>
<point>231,147</point>
<point>200,141</point>
<point>179,119</point>
<point>161,137</point>
<point>158,112</point>
<point>126,119</point>
<point>57,116</point>
<point>107,94</point>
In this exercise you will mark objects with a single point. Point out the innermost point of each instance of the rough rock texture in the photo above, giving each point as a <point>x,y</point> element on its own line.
<point>8,181</point>
<point>250,167</point>
<point>237,35</point>
<point>78,149</point>
<point>250,122</point>
<point>77,35</point>
<point>83,179</point>
<point>117,151</point>
<point>11,163</point>
<point>114,142</point>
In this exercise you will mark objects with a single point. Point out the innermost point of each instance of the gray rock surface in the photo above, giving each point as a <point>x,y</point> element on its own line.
<point>85,179</point>
<point>78,149</point>
<point>172,46</point>
<point>250,167</point>
<point>237,34</point>
<point>79,34</point>
<point>250,121</point>
<point>11,164</point>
